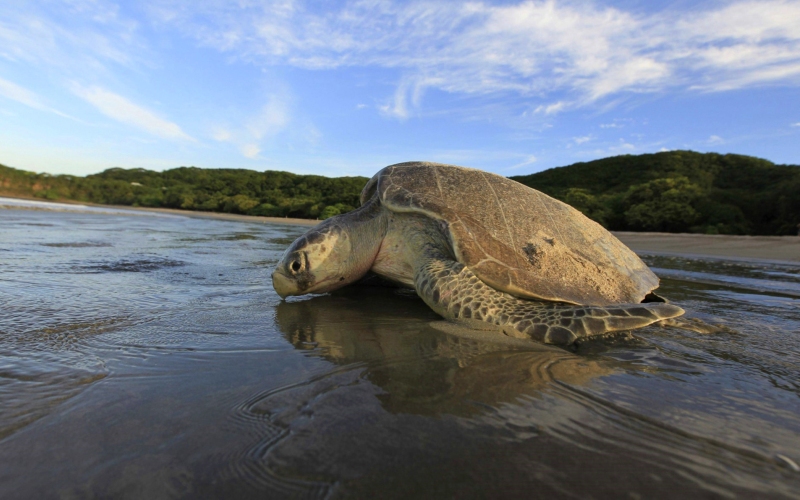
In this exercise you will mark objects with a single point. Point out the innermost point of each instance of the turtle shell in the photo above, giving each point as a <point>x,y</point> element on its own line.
<point>514,238</point>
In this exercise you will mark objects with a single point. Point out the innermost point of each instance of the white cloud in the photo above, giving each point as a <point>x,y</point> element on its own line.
<point>796,124</point>
<point>550,109</point>
<point>581,140</point>
<point>268,122</point>
<point>618,148</point>
<point>637,74</point>
<point>272,119</point>
<point>124,111</point>
<point>715,139</point>
<point>582,50</point>
<point>407,96</point>
<point>397,107</point>
<point>24,96</point>
<point>221,134</point>
<point>559,54</point>
<point>250,151</point>
<point>95,35</point>
<point>529,160</point>
<point>619,123</point>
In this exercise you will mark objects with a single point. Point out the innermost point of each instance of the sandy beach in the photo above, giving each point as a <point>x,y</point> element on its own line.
<point>80,207</point>
<point>775,248</point>
<point>780,248</point>
<point>222,216</point>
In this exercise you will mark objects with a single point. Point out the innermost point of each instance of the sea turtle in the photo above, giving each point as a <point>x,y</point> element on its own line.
<point>482,250</point>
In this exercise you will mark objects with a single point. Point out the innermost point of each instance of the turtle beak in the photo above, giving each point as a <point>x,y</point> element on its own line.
<point>283,285</point>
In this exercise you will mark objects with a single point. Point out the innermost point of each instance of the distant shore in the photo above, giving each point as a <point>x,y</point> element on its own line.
<point>167,211</point>
<point>220,216</point>
<point>722,246</point>
<point>778,248</point>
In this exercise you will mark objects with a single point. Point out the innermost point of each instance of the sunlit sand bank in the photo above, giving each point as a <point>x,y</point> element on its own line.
<point>781,248</point>
<point>785,248</point>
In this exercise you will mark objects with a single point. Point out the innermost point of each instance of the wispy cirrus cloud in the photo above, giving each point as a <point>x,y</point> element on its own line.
<point>124,111</point>
<point>528,160</point>
<point>583,51</point>
<point>74,37</point>
<point>561,55</point>
<point>550,109</point>
<point>27,97</point>
<point>582,139</point>
<point>407,96</point>
<point>268,122</point>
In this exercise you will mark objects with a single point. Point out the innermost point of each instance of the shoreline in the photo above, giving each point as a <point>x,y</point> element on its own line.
<point>719,246</point>
<point>218,215</point>
<point>166,211</point>
<point>784,249</point>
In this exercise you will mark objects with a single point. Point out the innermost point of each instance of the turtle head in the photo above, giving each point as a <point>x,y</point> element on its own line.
<point>327,257</point>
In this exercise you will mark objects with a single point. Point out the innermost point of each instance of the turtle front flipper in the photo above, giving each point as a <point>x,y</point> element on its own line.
<point>453,291</point>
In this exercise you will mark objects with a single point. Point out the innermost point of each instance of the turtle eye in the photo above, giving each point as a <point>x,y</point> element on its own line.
<point>299,263</point>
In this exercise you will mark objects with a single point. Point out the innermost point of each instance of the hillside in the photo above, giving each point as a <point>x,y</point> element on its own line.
<point>272,194</point>
<point>676,191</point>
<point>680,191</point>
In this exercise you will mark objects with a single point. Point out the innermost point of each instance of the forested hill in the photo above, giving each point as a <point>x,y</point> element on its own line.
<point>272,194</point>
<point>680,191</point>
<point>676,191</point>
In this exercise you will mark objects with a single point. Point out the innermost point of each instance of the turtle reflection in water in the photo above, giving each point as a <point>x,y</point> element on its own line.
<point>481,250</point>
<point>459,369</point>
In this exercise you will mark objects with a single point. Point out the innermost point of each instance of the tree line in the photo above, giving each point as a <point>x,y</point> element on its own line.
<point>239,191</point>
<point>675,191</point>
<point>680,191</point>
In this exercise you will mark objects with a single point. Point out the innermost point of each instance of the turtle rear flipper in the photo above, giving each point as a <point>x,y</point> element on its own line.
<point>453,291</point>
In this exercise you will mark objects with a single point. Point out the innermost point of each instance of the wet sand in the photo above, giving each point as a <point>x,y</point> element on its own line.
<point>777,248</point>
<point>221,216</point>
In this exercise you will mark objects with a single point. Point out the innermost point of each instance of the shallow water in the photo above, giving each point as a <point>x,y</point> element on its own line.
<point>147,356</point>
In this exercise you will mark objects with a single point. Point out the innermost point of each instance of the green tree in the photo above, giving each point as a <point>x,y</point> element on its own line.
<point>656,192</point>
<point>662,205</point>
<point>239,204</point>
<point>332,210</point>
<point>590,205</point>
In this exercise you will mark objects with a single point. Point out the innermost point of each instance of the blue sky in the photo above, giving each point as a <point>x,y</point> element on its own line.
<point>345,88</point>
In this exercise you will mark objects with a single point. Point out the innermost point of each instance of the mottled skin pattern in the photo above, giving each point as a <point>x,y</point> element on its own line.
<point>416,250</point>
<point>454,292</point>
